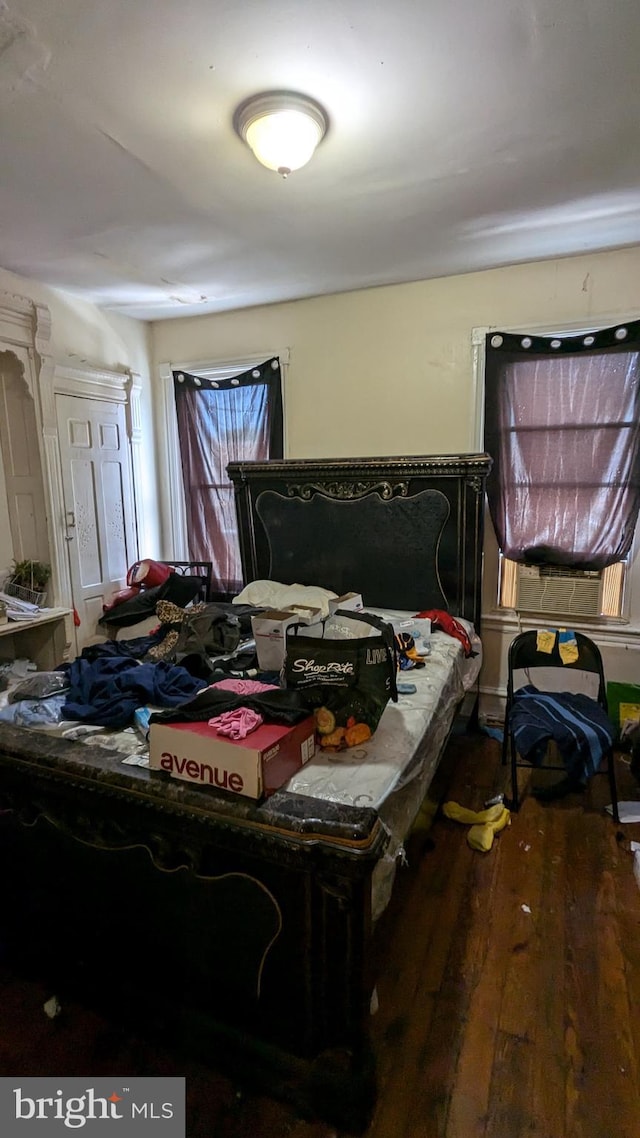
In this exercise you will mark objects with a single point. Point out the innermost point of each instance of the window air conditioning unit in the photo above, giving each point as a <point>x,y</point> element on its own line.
<point>553,589</point>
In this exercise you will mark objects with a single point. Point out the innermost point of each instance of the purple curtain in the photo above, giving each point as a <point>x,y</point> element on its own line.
<point>562,423</point>
<point>219,422</point>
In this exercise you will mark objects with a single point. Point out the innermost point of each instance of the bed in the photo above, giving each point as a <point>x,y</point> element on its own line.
<point>246,929</point>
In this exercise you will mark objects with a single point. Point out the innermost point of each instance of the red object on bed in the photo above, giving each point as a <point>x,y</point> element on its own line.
<point>450,625</point>
<point>148,573</point>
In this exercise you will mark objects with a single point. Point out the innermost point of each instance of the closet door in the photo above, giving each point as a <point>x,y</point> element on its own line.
<point>98,504</point>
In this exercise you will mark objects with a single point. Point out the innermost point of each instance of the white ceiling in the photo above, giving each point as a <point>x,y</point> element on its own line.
<point>465,134</point>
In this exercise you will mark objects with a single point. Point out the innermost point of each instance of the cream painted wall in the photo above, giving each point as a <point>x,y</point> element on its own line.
<point>82,334</point>
<point>388,371</point>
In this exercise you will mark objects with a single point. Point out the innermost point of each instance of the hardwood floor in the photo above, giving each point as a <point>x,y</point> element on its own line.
<point>509,990</point>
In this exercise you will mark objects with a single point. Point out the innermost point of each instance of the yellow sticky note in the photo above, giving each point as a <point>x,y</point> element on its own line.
<point>545,639</point>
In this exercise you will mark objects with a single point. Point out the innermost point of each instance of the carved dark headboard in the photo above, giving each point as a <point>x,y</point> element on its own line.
<point>404,532</point>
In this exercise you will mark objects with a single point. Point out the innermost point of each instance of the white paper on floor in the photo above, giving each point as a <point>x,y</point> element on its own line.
<point>628,811</point>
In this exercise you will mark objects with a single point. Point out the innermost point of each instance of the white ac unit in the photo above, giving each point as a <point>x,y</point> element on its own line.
<point>553,589</point>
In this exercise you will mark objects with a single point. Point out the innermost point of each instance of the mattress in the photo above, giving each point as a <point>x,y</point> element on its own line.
<point>404,748</point>
<point>402,753</point>
<point>407,735</point>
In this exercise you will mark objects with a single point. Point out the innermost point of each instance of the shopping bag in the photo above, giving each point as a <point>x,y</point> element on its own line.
<point>347,682</point>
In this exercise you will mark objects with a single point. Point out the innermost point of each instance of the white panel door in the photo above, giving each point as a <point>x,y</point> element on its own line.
<point>99,512</point>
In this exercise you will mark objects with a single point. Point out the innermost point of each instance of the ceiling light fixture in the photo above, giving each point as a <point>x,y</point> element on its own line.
<point>282,128</point>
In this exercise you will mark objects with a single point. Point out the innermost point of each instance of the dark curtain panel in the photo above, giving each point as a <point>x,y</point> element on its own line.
<point>562,423</point>
<point>221,421</point>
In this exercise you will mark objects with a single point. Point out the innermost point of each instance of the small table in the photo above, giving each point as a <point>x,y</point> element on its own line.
<point>45,638</point>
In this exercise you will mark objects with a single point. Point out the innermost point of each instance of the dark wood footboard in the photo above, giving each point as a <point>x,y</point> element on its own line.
<point>238,930</point>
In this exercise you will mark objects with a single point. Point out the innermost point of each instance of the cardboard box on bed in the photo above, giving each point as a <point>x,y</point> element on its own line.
<point>270,632</point>
<point>255,766</point>
<point>351,601</point>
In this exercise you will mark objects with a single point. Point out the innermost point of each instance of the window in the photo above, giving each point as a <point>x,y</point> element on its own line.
<point>221,420</point>
<point>562,423</point>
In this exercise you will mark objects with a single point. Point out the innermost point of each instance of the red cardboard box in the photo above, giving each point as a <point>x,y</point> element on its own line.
<point>255,766</point>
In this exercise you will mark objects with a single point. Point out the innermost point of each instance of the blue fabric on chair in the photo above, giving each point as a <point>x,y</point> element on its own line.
<point>577,723</point>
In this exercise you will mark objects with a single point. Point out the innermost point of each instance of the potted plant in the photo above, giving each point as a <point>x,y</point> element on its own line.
<point>29,580</point>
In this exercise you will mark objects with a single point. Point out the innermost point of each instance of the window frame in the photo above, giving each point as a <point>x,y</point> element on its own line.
<point>478,342</point>
<point>174,515</point>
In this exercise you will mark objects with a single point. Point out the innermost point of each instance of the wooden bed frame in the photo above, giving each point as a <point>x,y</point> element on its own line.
<point>239,928</point>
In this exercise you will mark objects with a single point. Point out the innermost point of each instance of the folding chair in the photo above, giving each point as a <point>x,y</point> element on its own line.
<point>548,673</point>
